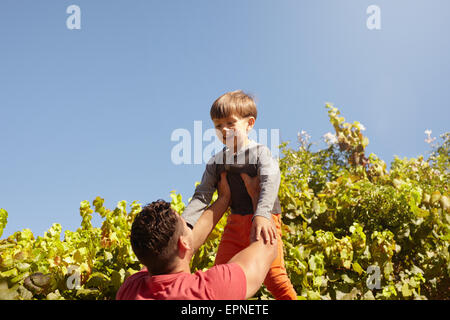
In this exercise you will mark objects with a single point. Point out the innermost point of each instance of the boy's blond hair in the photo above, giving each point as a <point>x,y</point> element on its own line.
<point>234,103</point>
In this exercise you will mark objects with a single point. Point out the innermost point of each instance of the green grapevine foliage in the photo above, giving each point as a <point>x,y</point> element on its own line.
<point>344,214</point>
<point>90,263</point>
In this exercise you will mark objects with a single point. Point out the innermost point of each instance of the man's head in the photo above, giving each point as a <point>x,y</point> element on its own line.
<point>234,114</point>
<point>160,237</point>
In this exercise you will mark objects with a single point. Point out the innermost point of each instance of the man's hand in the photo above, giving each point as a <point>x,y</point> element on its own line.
<point>223,189</point>
<point>253,188</point>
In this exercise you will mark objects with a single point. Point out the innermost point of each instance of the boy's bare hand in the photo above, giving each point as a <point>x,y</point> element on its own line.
<point>263,227</point>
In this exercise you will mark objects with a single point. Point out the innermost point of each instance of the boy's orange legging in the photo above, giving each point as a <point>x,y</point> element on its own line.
<point>236,237</point>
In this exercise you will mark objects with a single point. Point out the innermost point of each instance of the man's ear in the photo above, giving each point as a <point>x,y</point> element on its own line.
<point>184,244</point>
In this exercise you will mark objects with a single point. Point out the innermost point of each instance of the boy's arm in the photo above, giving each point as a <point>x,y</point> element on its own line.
<point>269,176</point>
<point>202,196</point>
<point>269,182</point>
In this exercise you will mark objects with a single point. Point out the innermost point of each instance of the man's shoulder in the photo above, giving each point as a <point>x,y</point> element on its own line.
<point>220,269</point>
<point>137,276</point>
<point>224,281</point>
<point>131,284</point>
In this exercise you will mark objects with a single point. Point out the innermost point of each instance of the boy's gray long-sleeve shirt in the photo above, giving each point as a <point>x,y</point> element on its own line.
<point>253,159</point>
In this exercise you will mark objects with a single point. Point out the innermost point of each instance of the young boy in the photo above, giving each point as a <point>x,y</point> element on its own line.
<point>234,115</point>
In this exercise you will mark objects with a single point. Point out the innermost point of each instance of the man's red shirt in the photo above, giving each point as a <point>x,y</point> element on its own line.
<point>221,282</point>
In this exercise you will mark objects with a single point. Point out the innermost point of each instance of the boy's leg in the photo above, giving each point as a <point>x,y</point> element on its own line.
<point>235,237</point>
<point>277,281</point>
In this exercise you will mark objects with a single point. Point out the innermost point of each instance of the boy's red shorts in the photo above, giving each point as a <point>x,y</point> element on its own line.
<point>236,237</point>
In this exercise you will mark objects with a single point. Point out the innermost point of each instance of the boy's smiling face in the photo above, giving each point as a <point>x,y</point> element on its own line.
<point>233,130</point>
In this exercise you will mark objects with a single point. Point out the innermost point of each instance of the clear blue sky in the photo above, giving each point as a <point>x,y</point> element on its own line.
<point>90,112</point>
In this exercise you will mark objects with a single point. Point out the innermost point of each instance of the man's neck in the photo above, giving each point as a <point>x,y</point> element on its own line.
<point>182,267</point>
